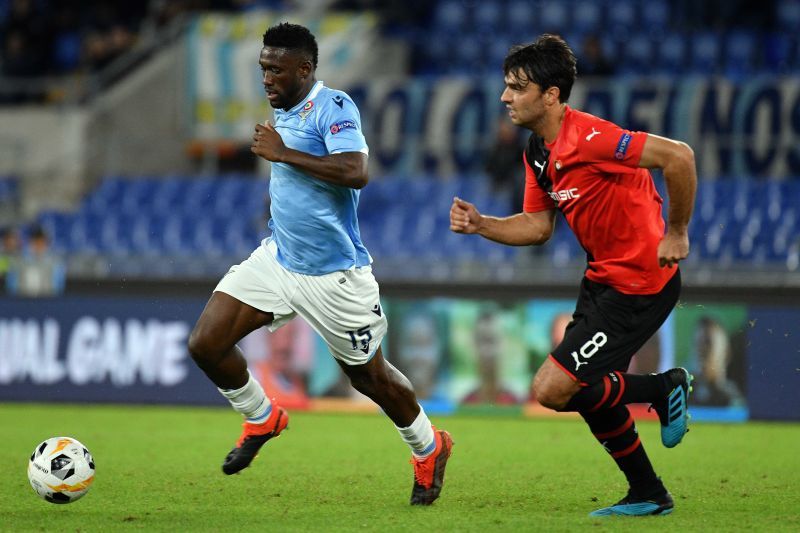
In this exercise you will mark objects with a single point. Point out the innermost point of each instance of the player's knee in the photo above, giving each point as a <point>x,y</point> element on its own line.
<point>550,395</point>
<point>370,383</point>
<point>201,348</point>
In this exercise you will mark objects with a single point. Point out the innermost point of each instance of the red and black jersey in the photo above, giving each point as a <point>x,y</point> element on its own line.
<point>591,174</point>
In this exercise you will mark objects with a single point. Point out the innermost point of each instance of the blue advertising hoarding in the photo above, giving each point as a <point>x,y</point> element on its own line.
<point>101,350</point>
<point>773,363</point>
<point>457,352</point>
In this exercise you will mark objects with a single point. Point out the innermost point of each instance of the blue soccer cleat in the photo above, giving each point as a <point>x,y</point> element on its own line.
<point>673,411</point>
<point>630,506</point>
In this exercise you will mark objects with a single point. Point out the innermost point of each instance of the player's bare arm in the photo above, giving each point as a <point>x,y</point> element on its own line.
<point>676,160</point>
<point>522,229</point>
<point>348,169</point>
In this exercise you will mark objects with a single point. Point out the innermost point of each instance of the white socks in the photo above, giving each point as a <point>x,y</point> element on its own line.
<point>250,400</point>
<point>419,435</point>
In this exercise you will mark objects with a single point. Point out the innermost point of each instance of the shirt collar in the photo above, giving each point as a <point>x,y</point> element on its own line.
<point>310,96</point>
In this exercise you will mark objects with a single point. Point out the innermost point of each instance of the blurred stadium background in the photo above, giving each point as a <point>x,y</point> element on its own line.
<point>127,189</point>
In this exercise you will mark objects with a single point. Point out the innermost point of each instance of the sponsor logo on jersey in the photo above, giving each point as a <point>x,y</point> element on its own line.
<point>343,125</point>
<point>338,100</point>
<point>622,145</point>
<point>565,194</point>
<point>594,132</point>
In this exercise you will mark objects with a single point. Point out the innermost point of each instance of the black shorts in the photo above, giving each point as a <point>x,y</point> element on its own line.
<point>608,328</point>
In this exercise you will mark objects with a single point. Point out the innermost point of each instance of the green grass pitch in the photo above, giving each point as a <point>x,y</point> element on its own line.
<point>158,469</point>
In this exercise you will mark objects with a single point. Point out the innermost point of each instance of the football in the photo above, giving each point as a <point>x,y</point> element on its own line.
<point>61,470</point>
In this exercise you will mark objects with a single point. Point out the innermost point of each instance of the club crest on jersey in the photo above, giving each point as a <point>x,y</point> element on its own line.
<point>558,164</point>
<point>307,109</point>
<point>343,125</point>
<point>622,145</point>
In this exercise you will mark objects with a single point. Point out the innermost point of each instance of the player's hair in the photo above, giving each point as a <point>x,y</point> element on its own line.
<point>548,62</point>
<point>293,37</point>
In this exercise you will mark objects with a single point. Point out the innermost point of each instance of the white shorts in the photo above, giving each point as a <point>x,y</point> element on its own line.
<point>343,307</point>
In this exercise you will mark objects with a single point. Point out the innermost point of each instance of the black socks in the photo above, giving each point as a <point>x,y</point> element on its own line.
<point>615,430</point>
<point>617,389</point>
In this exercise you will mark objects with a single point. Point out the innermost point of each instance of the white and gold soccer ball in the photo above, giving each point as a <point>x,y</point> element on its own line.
<point>61,470</point>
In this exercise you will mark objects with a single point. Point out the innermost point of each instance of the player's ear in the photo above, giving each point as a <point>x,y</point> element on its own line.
<point>551,95</point>
<point>305,69</point>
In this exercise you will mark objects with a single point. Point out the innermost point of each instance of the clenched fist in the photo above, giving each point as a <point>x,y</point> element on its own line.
<point>464,217</point>
<point>267,143</point>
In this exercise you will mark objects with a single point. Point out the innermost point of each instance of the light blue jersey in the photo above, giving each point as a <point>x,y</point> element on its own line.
<point>314,223</point>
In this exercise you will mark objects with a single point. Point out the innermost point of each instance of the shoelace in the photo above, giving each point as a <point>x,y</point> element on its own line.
<point>246,433</point>
<point>423,470</point>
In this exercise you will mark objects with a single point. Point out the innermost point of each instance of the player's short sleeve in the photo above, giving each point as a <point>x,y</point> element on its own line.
<point>340,124</point>
<point>606,144</point>
<point>535,199</point>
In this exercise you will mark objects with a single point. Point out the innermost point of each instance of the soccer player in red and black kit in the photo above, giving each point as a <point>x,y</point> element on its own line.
<point>596,174</point>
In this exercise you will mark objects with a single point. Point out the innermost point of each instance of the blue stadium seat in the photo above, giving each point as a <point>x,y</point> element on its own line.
<point>450,16</point>
<point>106,196</point>
<point>209,235</point>
<point>781,52</point>
<point>587,17</point>
<point>170,195</point>
<point>9,189</point>
<point>138,194</point>
<point>200,196</point>
<point>655,15</point>
<point>178,235</point>
<point>59,227</point>
<point>522,18</point>
<point>671,54</point>
<point>621,17</point>
<point>740,51</point>
<point>638,54</point>
<point>68,49</point>
<point>468,55</point>
<point>553,16</point>
<point>85,233</point>
<point>489,16</point>
<point>401,218</point>
<point>788,15</point>
<point>497,50</point>
<point>114,234</point>
<point>704,52</point>
<point>145,234</point>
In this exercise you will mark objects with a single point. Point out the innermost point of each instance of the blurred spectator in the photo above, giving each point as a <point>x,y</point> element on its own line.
<point>647,359</point>
<point>10,246</point>
<point>40,39</point>
<point>37,272</point>
<point>488,339</point>
<point>419,352</point>
<point>102,47</point>
<point>593,61</point>
<point>723,14</point>
<point>504,163</point>
<point>558,328</point>
<point>18,57</point>
<point>285,369</point>
<point>712,386</point>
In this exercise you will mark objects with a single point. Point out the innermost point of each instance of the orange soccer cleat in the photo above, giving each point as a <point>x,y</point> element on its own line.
<point>253,437</point>
<point>429,472</point>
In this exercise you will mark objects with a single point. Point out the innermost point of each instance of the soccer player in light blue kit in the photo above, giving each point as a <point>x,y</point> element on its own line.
<point>314,265</point>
